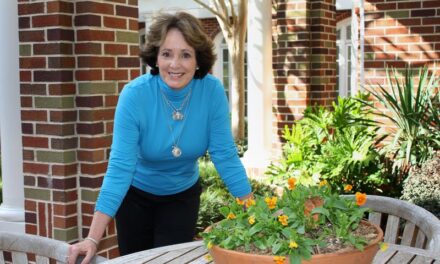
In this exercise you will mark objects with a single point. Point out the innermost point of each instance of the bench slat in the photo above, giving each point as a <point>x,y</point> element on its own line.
<point>392,229</point>
<point>421,260</point>
<point>408,234</point>
<point>19,257</point>
<point>375,217</point>
<point>401,257</point>
<point>420,240</point>
<point>42,260</point>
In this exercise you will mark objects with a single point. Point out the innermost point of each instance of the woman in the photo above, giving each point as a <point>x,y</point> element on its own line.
<point>164,122</point>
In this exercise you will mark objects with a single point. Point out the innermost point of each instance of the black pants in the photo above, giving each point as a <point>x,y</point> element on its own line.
<point>146,221</point>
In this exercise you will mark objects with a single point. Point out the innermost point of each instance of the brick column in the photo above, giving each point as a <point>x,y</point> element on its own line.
<point>323,52</point>
<point>75,57</point>
<point>304,58</point>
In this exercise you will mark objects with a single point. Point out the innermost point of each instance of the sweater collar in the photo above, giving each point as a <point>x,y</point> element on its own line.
<point>174,94</point>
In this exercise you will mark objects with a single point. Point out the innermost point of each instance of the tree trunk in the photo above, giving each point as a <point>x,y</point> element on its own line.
<point>237,86</point>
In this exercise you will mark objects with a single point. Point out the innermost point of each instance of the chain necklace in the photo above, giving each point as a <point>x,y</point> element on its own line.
<point>177,112</point>
<point>175,149</point>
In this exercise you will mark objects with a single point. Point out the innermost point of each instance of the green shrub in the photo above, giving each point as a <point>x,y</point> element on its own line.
<point>215,194</point>
<point>421,187</point>
<point>338,145</point>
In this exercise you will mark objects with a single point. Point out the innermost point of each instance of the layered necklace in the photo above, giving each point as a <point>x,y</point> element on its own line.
<point>177,115</point>
<point>177,112</point>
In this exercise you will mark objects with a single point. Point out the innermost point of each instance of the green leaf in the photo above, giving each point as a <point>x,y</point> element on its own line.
<point>295,259</point>
<point>255,229</point>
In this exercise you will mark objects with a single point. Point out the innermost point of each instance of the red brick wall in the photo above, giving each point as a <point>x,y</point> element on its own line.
<point>75,57</point>
<point>401,33</point>
<point>211,26</point>
<point>304,59</point>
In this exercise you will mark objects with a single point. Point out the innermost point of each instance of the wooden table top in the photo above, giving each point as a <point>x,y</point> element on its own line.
<point>196,253</point>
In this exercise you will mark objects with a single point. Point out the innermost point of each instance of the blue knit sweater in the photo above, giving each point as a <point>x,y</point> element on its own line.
<point>144,133</point>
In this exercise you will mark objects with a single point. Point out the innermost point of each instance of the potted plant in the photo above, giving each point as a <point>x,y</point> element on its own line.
<point>304,223</point>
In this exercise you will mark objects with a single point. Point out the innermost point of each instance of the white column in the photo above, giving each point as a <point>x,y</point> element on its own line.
<point>12,208</point>
<point>259,84</point>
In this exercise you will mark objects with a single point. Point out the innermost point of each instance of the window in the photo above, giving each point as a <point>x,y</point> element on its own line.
<point>343,61</point>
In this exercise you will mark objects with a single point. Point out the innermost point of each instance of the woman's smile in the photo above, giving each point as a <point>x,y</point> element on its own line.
<point>176,60</point>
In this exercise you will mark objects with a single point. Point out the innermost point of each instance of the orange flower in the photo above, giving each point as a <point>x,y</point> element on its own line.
<point>361,198</point>
<point>279,259</point>
<point>231,216</point>
<point>283,219</point>
<point>240,202</point>
<point>251,219</point>
<point>348,188</point>
<point>271,202</point>
<point>250,202</point>
<point>323,183</point>
<point>291,183</point>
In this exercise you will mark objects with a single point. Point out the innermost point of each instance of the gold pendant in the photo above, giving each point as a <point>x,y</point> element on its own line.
<point>176,151</point>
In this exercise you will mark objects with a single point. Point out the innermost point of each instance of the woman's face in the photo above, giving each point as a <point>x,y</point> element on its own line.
<point>176,60</point>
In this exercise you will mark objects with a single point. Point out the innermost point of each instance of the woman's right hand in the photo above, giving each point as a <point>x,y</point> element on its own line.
<point>85,247</point>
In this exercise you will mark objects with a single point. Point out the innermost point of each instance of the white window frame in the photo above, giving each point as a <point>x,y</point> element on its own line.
<point>343,60</point>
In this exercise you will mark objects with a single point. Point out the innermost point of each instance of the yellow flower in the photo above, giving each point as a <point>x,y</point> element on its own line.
<point>271,202</point>
<point>383,247</point>
<point>361,198</point>
<point>322,183</point>
<point>209,246</point>
<point>240,202</point>
<point>293,244</point>
<point>291,183</point>
<point>231,216</point>
<point>283,219</point>
<point>279,259</point>
<point>250,202</point>
<point>208,257</point>
<point>251,219</point>
<point>348,187</point>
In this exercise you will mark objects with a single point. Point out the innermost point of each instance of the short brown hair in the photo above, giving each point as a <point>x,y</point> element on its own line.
<point>192,31</point>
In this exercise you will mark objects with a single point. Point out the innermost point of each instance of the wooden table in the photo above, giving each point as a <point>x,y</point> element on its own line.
<point>196,253</point>
<point>192,252</point>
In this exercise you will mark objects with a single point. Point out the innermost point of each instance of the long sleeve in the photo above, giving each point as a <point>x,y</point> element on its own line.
<point>123,154</point>
<point>222,148</point>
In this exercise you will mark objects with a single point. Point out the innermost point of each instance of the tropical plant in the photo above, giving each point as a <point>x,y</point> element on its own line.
<point>298,224</point>
<point>338,145</point>
<point>414,114</point>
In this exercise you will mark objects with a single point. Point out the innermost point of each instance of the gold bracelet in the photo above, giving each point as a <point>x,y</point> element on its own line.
<point>93,241</point>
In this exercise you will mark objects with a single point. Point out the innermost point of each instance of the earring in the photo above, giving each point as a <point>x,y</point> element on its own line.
<point>197,68</point>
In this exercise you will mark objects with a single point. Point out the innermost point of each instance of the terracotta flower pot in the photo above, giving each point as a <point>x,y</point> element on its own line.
<point>224,256</point>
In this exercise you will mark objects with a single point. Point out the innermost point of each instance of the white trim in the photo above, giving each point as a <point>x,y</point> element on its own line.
<point>354,49</point>
<point>12,208</point>
<point>259,83</point>
<point>217,69</point>
<point>362,42</point>
<point>342,60</point>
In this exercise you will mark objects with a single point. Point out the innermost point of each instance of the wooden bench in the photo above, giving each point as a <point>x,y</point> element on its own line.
<point>408,229</point>
<point>22,246</point>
